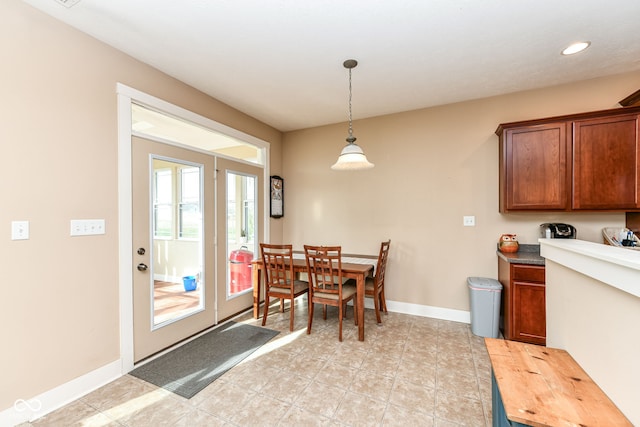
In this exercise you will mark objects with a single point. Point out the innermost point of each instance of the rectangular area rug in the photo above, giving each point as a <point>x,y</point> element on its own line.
<point>190,368</point>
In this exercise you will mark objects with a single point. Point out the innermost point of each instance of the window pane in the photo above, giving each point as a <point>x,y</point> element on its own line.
<point>162,220</point>
<point>163,192</point>
<point>190,185</point>
<point>189,206</point>
<point>177,247</point>
<point>189,221</point>
<point>173,129</point>
<point>241,228</point>
<point>162,203</point>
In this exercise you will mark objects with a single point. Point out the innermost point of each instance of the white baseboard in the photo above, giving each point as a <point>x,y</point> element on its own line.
<point>167,278</point>
<point>424,311</point>
<point>29,409</point>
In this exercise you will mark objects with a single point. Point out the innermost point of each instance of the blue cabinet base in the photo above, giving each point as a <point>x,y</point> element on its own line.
<point>497,408</point>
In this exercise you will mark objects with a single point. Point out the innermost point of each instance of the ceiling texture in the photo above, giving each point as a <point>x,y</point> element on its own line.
<point>280,61</point>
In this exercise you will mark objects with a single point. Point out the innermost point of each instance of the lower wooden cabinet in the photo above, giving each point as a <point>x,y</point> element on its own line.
<point>523,302</point>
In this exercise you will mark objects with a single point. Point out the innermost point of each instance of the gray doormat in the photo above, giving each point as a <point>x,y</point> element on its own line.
<point>193,366</point>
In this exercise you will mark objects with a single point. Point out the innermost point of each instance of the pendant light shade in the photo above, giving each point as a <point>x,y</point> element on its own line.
<point>352,157</point>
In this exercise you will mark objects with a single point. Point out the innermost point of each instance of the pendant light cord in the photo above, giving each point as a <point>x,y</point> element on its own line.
<point>351,157</point>
<point>350,139</point>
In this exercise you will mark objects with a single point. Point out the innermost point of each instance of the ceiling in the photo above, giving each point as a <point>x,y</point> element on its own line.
<point>280,61</point>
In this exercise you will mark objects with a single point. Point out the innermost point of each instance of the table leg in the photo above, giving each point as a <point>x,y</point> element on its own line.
<point>256,291</point>
<point>360,302</point>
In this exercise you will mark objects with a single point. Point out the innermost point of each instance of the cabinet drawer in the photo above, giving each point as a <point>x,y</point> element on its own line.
<point>527,273</point>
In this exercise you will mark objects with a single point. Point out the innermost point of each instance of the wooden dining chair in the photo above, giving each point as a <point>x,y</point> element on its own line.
<point>374,286</point>
<point>326,287</point>
<point>280,281</point>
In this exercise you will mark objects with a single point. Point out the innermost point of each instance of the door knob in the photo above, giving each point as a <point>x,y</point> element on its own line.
<point>142,267</point>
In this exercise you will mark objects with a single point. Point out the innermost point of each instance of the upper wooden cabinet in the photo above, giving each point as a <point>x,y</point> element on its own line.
<point>605,163</point>
<point>588,161</point>
<point>533,168</point>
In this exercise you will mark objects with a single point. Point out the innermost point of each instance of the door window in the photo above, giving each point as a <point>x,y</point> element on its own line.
<point>177,246</point>
<point>242,241</point>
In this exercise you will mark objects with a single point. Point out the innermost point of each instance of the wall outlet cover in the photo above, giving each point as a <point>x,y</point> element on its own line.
<point>19,230</point>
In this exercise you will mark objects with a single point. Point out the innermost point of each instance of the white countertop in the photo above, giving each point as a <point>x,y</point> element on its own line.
<point>616,266</point>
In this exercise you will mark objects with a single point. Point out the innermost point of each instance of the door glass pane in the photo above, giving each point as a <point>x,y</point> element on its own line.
<point>177,250</point>
<point>242,241</point>
<point>189,206</point>
<point>162,195</point>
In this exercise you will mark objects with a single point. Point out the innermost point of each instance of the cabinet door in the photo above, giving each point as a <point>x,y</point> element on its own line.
<point>534,168</point>
<point>605,163</point>
<point>529,320</point>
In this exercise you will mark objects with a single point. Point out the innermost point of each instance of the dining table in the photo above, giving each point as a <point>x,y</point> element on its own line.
<point>358,267</point>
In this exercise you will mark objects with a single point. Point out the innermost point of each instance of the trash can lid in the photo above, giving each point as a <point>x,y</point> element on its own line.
<point>241,255</point>
<point>484,283</point>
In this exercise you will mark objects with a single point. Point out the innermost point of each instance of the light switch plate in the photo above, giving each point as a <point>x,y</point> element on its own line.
<point>19,230</point>
<point>87,227</point>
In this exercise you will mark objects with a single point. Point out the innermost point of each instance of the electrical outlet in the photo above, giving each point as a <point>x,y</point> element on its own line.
<point>87,227</point>
<point>19,230</point>
<point>469,221</point>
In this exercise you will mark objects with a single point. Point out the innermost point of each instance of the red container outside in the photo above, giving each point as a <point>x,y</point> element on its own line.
<point>240,269</point>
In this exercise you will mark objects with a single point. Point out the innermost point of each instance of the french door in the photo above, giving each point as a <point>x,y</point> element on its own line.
<point>240,207</point>
<point>197,221</point>
<point>173,244</point>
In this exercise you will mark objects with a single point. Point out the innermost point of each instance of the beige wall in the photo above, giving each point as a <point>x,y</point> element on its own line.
<point>432,167</point>
<point>60,312</point>
<point>598,325</point>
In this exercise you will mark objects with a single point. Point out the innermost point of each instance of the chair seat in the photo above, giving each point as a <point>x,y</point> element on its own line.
<point>348,290</point>
<point>369,284</point>
<point>298,287</point>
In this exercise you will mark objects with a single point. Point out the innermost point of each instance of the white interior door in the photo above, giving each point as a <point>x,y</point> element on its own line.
<point>173,245</point>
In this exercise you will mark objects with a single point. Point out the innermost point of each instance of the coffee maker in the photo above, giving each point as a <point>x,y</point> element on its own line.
<point>557,230</point>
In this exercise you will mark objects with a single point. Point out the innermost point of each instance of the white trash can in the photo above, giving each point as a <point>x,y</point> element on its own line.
<point>484,299</point>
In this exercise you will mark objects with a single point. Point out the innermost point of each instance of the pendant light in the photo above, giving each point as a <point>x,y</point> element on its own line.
<point>352,157</point>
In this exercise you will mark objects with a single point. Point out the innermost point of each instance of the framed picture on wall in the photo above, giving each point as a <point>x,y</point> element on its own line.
<point>277,197</point>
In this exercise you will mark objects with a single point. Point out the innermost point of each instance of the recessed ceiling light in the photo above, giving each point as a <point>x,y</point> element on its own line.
<point>575,48</point>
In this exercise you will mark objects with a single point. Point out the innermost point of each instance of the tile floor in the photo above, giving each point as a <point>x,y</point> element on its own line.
<point>411,371</point>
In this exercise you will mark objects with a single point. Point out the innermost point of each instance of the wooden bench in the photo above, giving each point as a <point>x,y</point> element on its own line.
<point>540,386</point>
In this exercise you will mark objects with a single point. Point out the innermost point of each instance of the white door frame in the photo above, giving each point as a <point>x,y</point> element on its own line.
<point>126,95</point>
